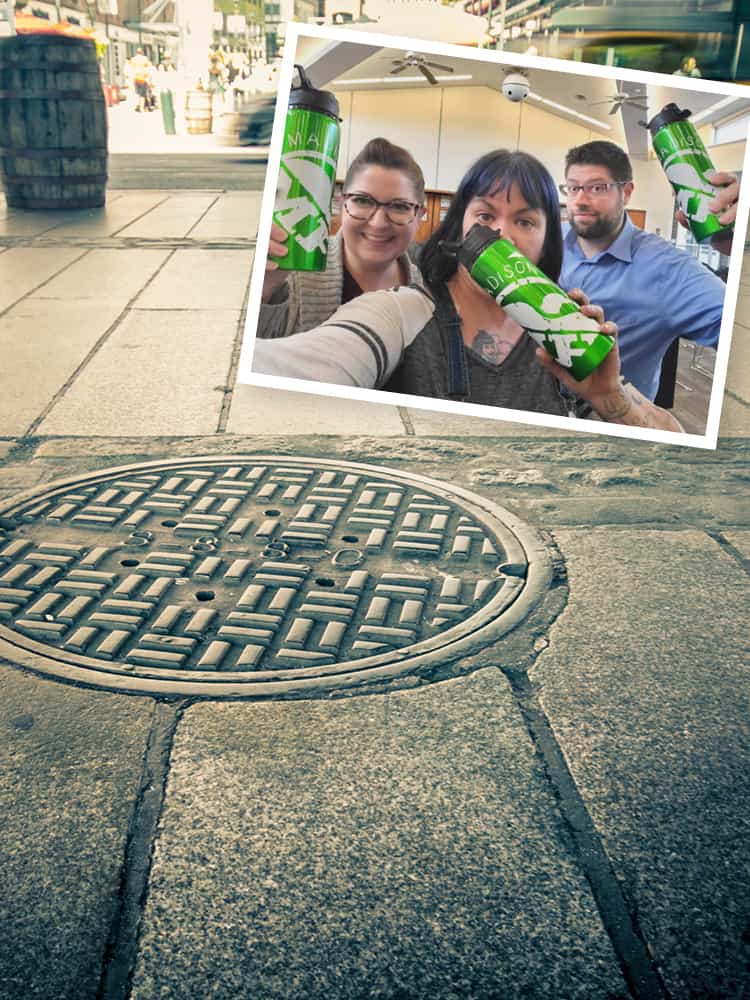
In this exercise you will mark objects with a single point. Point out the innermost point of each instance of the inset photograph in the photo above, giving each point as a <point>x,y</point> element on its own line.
<point>497,236</point>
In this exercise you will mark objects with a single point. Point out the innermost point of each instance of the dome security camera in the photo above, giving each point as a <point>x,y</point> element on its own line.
<point>516,87</point>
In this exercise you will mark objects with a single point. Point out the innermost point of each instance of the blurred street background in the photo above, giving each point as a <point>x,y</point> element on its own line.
<point>230,48</point>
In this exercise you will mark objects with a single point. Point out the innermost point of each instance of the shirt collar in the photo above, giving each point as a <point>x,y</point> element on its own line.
<point>620,248</point>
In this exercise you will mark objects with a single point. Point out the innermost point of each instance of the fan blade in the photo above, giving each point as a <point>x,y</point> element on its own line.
<point>399,69</point>
<point>426,73</point>
<point>615,107</point>
<point>445,69</point>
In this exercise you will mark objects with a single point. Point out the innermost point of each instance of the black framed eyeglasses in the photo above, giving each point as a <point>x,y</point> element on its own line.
<point>362,207</point>
<point>595,188</point>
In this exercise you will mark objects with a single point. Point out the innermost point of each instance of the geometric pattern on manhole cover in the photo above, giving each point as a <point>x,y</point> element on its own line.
<point>258,575</point>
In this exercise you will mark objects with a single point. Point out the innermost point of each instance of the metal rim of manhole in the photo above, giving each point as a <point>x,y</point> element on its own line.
<point>249,576</point>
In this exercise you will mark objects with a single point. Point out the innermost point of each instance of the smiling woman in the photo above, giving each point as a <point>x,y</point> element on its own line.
<point>382,205</point>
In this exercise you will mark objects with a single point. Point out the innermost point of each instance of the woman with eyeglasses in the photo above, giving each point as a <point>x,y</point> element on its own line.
<point>381,207</point>
<point>453,341</point>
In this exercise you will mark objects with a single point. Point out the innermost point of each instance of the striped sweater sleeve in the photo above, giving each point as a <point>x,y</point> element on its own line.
<point>360,345</point>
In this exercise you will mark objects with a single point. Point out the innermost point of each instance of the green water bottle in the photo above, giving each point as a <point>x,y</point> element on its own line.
<point>534,301</point>
<point>686,163</point>
<point>307,175</point>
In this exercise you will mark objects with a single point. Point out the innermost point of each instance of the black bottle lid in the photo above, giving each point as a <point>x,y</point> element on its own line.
<point>477,240</point>
<point>668,115</point>
<point>307,97</point>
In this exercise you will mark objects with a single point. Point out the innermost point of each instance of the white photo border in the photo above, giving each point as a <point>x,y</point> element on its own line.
<point>246,375</point>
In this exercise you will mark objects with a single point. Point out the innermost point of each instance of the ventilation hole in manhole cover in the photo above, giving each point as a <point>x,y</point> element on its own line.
<point>360,574</point>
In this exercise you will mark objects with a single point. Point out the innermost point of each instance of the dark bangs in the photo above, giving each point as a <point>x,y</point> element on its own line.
<point>492,174</point>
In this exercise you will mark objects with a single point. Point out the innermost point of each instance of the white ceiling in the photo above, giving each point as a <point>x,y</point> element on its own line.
<point>335,63</point>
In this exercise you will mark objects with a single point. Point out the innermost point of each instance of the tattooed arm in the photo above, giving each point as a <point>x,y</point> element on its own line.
<point>613,401</point>
<point>626,405</point>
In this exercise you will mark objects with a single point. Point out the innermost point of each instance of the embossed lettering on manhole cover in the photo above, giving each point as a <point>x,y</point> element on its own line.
<point>258,575</point>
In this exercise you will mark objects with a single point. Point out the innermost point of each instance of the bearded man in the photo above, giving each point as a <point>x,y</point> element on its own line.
<point>654,292</point>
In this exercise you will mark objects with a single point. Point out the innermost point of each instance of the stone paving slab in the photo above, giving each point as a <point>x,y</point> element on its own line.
<point>119,211</point>
<point>103,275</point>
<point>200,280</point>
<point>648,477</point>
<point>397,846</point>
<point>19,476</point>
<point>160,372</point>
<point>711,511</point>
<point>15,222</point>
<point>738,368</point>
<point>645,683</point>
<point>41,346</point>
<point>174,217</point>
<point>258,410</point>
<point>235,214</point>
<point>432,423</point>
<point>735,417</point>
<point>23,269</point>
<point>71,767</point>
<point>742,309</point>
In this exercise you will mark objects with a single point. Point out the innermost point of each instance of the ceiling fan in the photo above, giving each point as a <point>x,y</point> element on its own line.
<point>622,98</point>
<point>412,60</point>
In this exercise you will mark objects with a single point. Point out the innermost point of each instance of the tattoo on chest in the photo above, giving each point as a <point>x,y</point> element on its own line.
<point>492,347</point>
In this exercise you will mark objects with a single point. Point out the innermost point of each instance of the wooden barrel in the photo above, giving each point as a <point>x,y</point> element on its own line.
<point>198,104</point>
<point>227,129</point>
<point>53,122</point>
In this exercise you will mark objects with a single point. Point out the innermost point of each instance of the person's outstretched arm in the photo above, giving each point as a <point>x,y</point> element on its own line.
<point>360,345</point>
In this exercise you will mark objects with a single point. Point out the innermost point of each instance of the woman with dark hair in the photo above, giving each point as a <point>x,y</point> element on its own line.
<point>382,204</point>
<point>471,349</point>
<point>456,342</point>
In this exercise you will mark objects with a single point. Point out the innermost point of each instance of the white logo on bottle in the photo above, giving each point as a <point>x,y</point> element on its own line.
<point>695,191</point>
<point>555,321</point>
<point>308,169</point>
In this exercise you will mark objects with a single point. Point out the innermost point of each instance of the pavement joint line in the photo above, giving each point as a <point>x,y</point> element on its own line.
<point>234,362</point>
<point>736,398</point>
<point>122,946</point>
<point>143,214</point>
<point>49,229</point>
<point>620,923</point>
<point>129,243</point>
<point>728,547</point>
<point>36,423</point>
<point>406,420</point>
<point>203,214</point>
<point>41,284</point>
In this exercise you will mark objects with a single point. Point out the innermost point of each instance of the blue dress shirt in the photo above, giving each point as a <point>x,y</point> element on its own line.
<point>653,291</point>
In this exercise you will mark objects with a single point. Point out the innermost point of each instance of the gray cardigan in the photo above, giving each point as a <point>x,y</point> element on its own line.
<point>308,298</point>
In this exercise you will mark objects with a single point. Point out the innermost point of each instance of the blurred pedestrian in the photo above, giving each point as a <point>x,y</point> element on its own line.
<point>216,76</point>
<point>688,67</point>
<point>141,68</point>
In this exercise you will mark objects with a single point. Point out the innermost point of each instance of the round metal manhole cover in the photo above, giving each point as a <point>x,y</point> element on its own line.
<point>257,576</point>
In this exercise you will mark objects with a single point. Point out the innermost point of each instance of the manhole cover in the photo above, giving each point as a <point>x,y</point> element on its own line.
<point>259,575</point>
